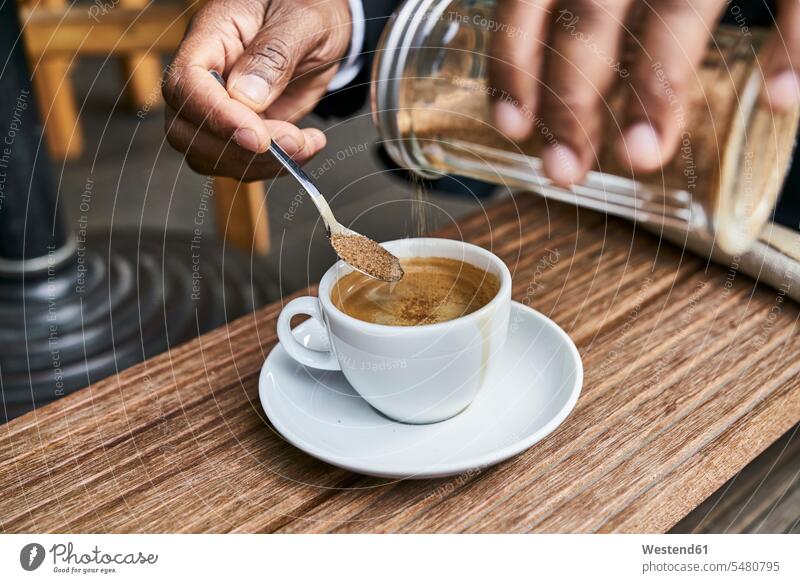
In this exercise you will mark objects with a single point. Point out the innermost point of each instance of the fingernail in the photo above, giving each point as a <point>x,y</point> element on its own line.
<point>783,91</point>
<point>511,121</point>
<point>253,87</point>
<point>247,139</point>
<point>561,165</point>
<point>288,143</point>
<point>642,147</point>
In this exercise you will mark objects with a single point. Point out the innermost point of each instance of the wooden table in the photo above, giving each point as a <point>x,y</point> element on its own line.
<point>691,371</point>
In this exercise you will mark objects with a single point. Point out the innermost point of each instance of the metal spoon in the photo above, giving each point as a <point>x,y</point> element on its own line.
<point>332,226</point>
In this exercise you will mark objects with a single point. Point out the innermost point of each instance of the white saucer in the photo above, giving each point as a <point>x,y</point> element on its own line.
<point>534,389</point>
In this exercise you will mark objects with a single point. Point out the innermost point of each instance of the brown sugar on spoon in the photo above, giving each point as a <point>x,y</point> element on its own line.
<point>367,256</point>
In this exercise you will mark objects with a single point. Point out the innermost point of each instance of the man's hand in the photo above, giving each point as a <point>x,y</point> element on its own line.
<point>278,57</point>
<point>564,58</point>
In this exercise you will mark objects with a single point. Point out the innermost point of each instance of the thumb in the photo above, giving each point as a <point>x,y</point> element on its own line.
<point>268,63</point>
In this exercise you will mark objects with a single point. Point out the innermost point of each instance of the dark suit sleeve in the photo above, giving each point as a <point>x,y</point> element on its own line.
<point>350,98</point>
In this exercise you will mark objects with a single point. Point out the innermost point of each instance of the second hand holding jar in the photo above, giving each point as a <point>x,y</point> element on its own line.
<point>431,102</point>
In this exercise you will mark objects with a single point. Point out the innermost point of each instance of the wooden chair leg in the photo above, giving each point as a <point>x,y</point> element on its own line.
<point>141,70</point>
<point>143,73</point>
<point>59,113</point>
<point>56,100</point>
<point>242,214</point>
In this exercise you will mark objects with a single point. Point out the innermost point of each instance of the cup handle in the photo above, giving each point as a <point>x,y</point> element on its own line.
<point>323,360</point>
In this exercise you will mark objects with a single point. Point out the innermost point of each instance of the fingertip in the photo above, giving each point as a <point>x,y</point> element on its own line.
<point>511,121</point>
<point>641,148</point>
<point>315,139</point>
<point>782,92</point>
<point>562,165</point>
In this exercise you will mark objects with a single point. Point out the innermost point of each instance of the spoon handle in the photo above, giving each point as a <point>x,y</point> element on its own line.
<point>331,224</point>
<point>292,168</point>
<point>301,177</point>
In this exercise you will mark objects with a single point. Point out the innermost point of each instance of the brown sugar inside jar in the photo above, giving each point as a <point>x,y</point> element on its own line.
<point>431,98</point>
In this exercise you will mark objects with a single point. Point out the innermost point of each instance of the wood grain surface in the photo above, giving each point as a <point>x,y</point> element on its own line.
<point>763,497</point>
<point>691,372</point>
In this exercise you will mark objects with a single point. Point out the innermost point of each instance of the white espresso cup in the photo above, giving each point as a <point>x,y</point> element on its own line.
<point>413,374</point>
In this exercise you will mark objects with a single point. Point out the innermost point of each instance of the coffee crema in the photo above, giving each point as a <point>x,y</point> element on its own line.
<point>433,290</point>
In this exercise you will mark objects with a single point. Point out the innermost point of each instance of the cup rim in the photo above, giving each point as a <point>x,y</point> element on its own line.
<point>330,278</point>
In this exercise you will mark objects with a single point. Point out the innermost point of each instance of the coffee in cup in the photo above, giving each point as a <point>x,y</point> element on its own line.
<point>433,290</point>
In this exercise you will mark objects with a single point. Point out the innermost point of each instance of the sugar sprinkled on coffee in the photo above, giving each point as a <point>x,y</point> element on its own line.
<point>367,256</point>
<point>433,290</point>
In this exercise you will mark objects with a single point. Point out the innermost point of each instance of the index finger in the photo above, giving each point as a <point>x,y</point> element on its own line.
<point>190,89</point>
<point>582,66</point>
<point>514,69</point>
<point>673,40</point>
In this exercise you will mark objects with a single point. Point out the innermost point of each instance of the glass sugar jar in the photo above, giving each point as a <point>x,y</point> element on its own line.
<point>431,103</point>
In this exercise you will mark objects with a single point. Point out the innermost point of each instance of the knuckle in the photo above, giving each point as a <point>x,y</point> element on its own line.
<point>308,14</point>
<point>271,59</point>
<point>180,90</point>
<point>314,19</point>
<point>254,10</point>
<point>197,19</point>
<point>169,87</point>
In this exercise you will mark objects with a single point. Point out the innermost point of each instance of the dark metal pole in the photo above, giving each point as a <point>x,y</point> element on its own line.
<point>32,232</point>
